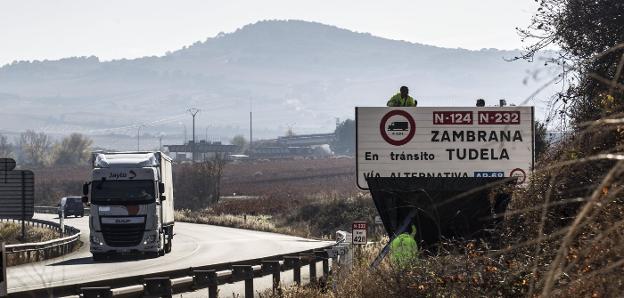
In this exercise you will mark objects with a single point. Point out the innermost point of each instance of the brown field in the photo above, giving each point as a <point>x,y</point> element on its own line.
<point>311,198</point>
<point>290,178</point>
<point>284,179</point>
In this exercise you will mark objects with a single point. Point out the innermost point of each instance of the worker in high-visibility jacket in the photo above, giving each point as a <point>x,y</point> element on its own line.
<point>402,99</point>
<point>403,249</point>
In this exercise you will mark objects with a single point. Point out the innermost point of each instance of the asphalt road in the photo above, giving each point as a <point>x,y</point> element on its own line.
<point>193,245</point>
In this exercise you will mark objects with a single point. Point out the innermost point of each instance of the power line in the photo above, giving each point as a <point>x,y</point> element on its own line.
<point>193,112</point>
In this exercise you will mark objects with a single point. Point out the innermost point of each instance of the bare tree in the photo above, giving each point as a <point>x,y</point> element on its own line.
<point>198,185</point>
<point>218,163</point>
<point>240,142</point>
<point>34,148</point>
<point>72,150</point>
<point>6,149</point>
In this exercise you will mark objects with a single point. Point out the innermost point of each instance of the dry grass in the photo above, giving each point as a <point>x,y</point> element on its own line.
<point>251,222</point>
<point>315,216</point>
<point>10,233</point>
<point>462,271</point>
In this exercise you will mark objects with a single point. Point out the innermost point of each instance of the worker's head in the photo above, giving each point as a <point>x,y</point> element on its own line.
<point>480,102</point>
<point>404,91</point>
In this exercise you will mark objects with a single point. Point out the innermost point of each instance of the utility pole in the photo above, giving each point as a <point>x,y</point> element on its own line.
<point>250,127</point>
<point>139,137</point>
<point>185,135</point>
<point>193,112</point>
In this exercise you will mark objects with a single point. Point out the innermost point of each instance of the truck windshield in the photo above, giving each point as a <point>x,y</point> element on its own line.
<point>122,192</point>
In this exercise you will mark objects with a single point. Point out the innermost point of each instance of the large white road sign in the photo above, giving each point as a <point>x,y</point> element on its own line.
<point>444,142</point>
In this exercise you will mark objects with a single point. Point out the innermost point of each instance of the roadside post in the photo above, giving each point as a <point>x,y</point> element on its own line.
<point>359,230</point>
<point>378,227</point>
<point>3,276</point>
<point>62,221</point>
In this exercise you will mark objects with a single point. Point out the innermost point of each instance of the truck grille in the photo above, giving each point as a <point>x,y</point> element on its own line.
<point>123,235</point>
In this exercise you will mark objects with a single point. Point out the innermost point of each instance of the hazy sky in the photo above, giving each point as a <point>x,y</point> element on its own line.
<point>35,29</point>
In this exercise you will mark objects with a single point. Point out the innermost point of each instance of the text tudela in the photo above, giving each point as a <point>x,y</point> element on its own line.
<point>477,154</point>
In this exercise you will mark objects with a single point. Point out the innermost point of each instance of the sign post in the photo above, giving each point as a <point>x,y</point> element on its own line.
<point>62,221</point>
<point>3,276</point>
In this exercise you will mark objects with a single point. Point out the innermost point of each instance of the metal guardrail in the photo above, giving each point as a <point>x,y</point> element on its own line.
<point>54,210</point>
<point>167,283</point>
<point>39,251</point>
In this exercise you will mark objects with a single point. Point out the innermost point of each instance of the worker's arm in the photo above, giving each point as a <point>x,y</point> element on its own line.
<point>392,102</point>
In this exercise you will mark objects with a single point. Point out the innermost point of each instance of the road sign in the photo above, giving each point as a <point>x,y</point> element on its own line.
<point>489,142</point>
<point>359,231</point>
<point>7,164</point>
<point>17,191</point>
<point>378,220</point>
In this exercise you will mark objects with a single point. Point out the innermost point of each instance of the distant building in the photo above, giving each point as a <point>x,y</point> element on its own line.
<point>289,147</point>
<point>307,140</point>
<point>203,150</point>
<point>282,152</point>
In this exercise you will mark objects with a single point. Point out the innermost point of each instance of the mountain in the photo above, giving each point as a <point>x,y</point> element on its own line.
<point>293,73</point>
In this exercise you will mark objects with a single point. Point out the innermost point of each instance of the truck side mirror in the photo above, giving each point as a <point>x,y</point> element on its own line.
<point>163,198</point>
<point>85,200</point>
<point>161,187</point>
<point>85,189</point>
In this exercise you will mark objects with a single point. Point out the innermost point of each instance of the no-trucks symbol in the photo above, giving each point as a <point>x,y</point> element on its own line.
<point>520,173</point>
<point>397,127</point>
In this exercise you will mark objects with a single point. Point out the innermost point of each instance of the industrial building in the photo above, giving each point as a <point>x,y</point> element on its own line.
<point>203,150</point>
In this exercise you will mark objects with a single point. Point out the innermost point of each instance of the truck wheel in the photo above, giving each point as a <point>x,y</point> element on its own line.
<point>168,245</point>
<point>162,244</point>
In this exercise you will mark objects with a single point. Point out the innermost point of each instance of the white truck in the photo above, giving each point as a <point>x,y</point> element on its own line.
<point>131,197</point>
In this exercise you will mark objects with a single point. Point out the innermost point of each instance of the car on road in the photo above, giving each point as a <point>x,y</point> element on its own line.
<point>71,205</point>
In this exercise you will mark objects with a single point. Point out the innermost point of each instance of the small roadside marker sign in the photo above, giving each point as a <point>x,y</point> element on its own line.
<point>359,231</point>
<point>378,220</point>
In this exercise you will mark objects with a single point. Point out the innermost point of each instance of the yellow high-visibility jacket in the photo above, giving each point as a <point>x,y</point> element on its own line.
<point>397,101</point>
<point>404,249</point>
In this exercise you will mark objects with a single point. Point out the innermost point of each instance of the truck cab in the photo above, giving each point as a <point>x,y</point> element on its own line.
<point>131,196</point>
